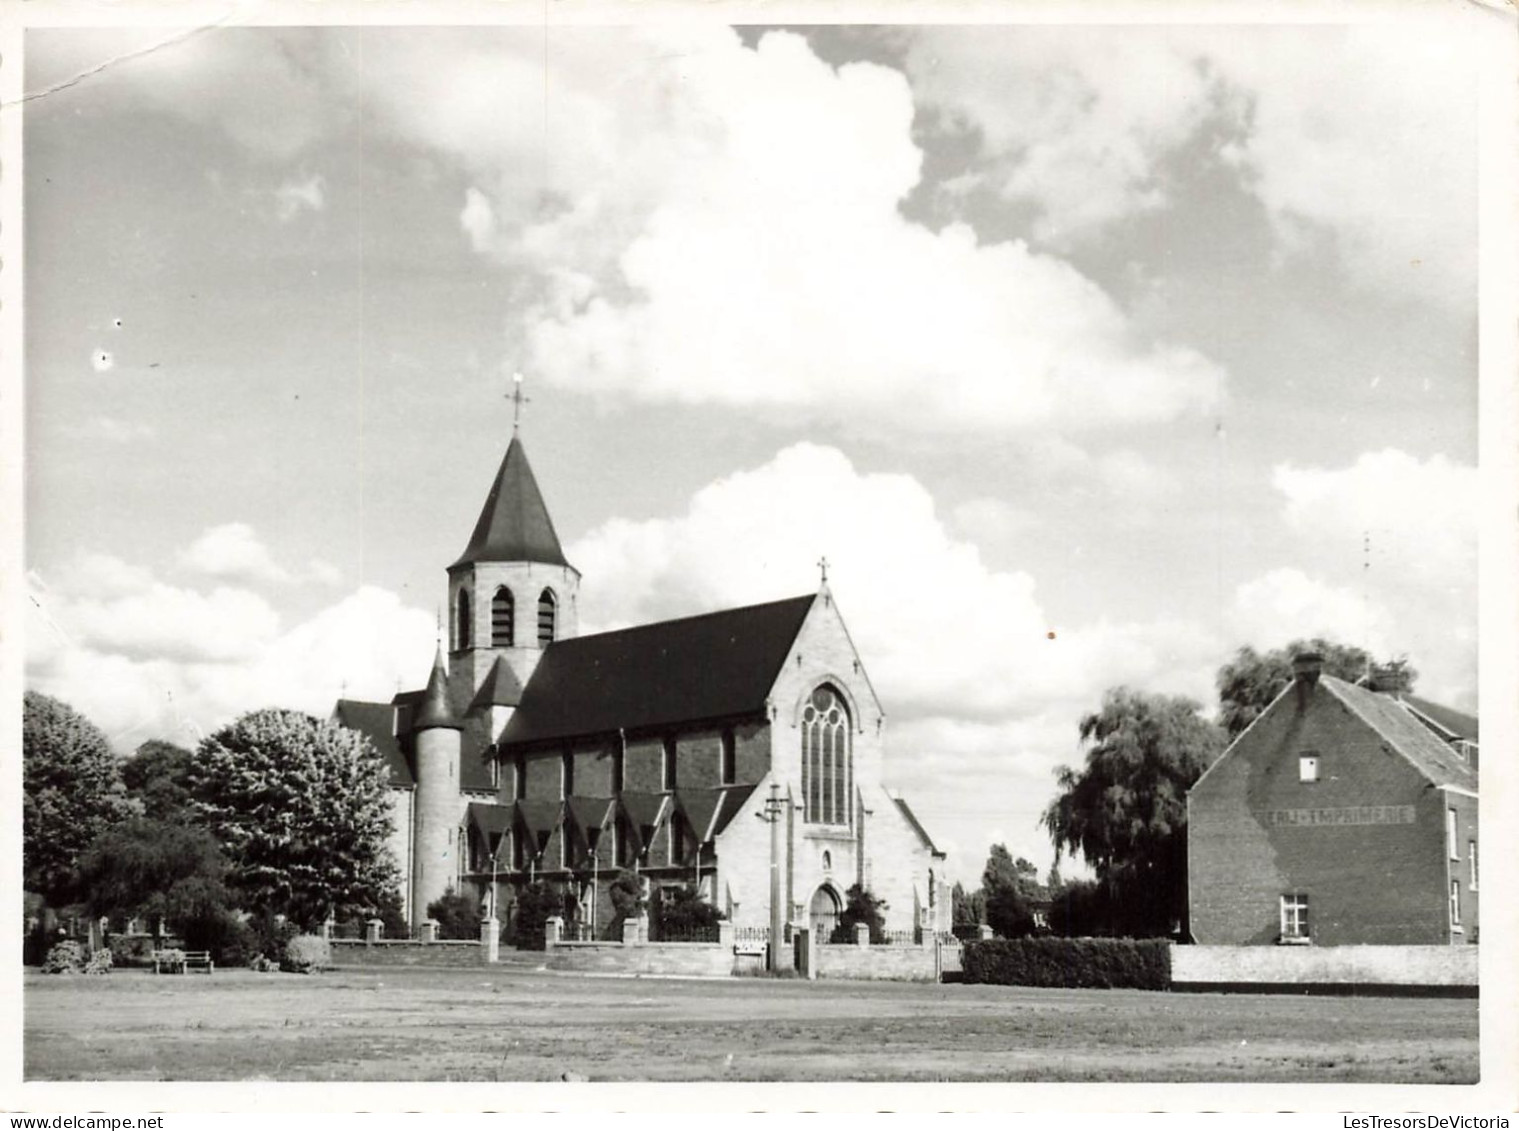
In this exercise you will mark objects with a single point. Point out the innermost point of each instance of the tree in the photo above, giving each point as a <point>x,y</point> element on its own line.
<point>861,905</point>
<point>1248,683</point>
<point>1008,885</point>
<point>1125,811</point>
<point>71,791</point>
<point>680,913</point>
<point>156,777</point>
<point>142,868</point>
<point>457,915</point>
<point>302,810</point>
<point>967,909</point>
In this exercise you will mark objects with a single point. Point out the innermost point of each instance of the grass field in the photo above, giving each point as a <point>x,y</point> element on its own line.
<point>511,1023</point>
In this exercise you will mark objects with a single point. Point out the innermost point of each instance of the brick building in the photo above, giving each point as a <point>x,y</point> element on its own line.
<point>535,753</point>
<point>1340,816</point>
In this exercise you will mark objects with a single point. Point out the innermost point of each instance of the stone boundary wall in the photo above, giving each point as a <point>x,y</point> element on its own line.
<point>407,952</point>
<point>1448,969</point>
<point>710,960</point>
<point>879,963</point>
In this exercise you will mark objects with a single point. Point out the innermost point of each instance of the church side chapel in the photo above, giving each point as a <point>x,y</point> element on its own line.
<point>535,754</point>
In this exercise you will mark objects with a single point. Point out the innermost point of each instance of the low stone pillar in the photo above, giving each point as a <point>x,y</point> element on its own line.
<point>553,931</point>
<point>374,930</point>
<point>862,934</point>
<point>630,932</point>
<point>984,931</point>
<point>725,934</point>
<point>490,940</point>
<point>329,928</point>
<point>427,930</point>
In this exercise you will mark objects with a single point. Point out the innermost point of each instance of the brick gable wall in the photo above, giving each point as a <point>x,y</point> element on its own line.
<point>1365,843</point>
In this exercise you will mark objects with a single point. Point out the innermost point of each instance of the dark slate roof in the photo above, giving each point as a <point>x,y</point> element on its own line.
<point>475,753</point>
<point>1405,734</point>
<point>376,721</point>
<point>539,816</point>
<point>514,524</point>
<point>500,688</point>
<point>708,811</point>
<point>1456,723</point>
<point>714,666</point>
<point>433,711</point>
<point>917,827</point>
<point>492,820</point>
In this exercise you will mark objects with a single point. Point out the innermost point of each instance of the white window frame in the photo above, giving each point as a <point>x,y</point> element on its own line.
<point>1452,838</point>
<point>1296,927</point>
<point>1308,768</point>
<point>1471,864</point>
<point>1455,905</point>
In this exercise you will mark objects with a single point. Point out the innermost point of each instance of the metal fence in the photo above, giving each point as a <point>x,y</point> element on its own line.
<point>751,936</point>
<point>664,932</point>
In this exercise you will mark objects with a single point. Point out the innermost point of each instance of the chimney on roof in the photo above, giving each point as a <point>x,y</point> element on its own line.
<point>1306,668</point>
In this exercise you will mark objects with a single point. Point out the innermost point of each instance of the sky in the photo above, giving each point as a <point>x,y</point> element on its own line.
<point>1084,354</point>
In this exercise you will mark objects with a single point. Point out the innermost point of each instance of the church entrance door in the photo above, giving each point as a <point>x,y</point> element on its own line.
<point>823,913</point>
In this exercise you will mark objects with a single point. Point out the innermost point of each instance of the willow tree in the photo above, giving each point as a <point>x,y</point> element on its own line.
<point>1125,810</point>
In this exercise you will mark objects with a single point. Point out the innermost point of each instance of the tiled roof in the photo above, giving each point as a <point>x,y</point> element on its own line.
<point>1456,723</point>
<point>714,666</point>
<point>1405,734</point>
<point>376,721</point>
<point>491,820</point>
<point>433,711</point>
<point>708,811</point>
<point>514,524</point>
<point>500,688</point>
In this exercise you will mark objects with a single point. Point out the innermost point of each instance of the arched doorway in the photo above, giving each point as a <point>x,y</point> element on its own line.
<point>823,913</point>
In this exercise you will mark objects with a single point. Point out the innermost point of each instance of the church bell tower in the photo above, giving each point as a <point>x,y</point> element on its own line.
<point>511,593</point>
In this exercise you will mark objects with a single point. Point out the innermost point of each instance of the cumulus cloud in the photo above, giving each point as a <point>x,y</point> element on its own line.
<point>786,245</point>
<point>1363,135</point>
<point>144,659</point>
<point>1385,552</point>
<point>960,653</point>
<point>232,551</point>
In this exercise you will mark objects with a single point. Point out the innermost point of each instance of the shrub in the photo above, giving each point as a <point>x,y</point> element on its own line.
<point>99,963</point>
<point>1141,964</point>
<point>863,906</point>
<point>66,957</point>
<point>679,913</point>
<point>230,941</point>
<point>536,904</point>
<point>458,916</point>
<point>269,938</point>
<point>306,954</point>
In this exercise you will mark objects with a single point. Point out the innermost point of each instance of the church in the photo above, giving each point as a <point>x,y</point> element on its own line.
<point>537,754</point>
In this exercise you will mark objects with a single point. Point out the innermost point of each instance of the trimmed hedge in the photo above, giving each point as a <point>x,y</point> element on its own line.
<point>1140,964</point>
<point>306,954</point>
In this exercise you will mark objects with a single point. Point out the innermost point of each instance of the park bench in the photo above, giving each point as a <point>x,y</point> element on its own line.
<point>181,961</point>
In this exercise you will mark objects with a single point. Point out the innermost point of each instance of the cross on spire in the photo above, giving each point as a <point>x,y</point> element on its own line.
<point>518,399</point>
<point>823,566</point>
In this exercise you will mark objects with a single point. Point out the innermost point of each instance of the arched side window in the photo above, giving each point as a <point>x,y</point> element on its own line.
<point>827,759</point>
<point>546,611</point>
<point>503,617</point>
<point>462,635</point>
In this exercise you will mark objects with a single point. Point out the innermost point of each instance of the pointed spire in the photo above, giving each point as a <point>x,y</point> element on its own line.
<point>433,711</point>
<point>514,524</point>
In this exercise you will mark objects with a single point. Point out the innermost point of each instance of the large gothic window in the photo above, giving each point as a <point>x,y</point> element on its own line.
<point>546,610</point>
<point>462,636</point>
<point>827,759</point>
<point>503,612</point>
